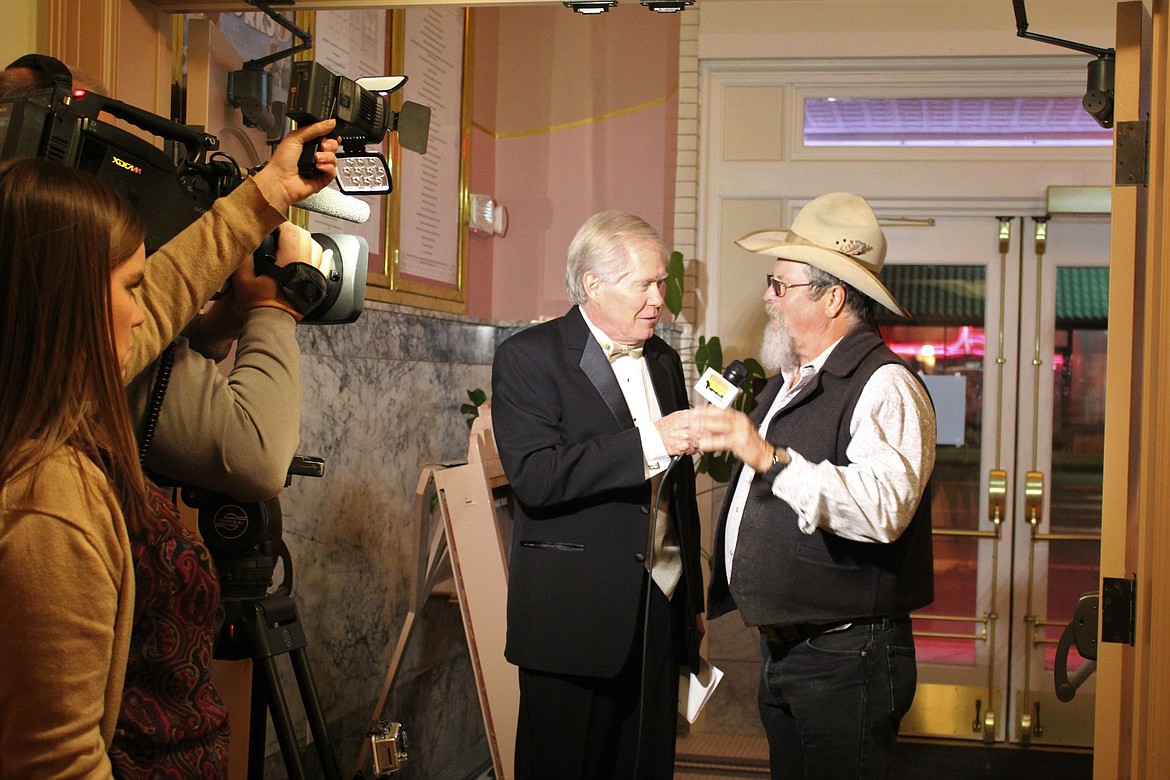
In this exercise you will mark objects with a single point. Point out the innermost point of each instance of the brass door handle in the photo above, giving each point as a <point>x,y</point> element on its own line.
<point>996,495</point>
<point>1034,497</point>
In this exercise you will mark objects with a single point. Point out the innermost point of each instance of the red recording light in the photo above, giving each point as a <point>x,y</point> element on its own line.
<point>79,93</point>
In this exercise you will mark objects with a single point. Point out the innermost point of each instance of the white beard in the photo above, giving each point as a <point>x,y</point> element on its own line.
<point>778,352</point>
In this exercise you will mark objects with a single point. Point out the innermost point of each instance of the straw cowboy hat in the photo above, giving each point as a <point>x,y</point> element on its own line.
<point>839,234</point>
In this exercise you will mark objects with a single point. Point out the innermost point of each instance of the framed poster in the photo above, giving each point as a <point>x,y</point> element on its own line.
<point>426,239</point>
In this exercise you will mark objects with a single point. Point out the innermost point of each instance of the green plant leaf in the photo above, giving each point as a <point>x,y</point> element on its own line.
<point>709,354</point>
<point>675,286</point>
<point>754,368</point>
<point>751,385</point>
<point>718,465</point>
<point>478,397</point>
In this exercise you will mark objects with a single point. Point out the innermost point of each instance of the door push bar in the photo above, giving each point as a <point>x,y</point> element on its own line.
<point>1081,631</point>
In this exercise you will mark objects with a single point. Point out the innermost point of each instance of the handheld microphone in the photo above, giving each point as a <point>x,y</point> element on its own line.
<point>720,390</point>
<point>333,203</point>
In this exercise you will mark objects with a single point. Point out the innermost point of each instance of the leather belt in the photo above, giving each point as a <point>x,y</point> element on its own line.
<point>798,632</point>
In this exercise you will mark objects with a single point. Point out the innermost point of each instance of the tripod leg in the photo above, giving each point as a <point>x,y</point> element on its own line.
<point>281,720</point>
<point>257,727</point>
<point>264,669</point>
<point>274,628</point>
<point>300,664</point>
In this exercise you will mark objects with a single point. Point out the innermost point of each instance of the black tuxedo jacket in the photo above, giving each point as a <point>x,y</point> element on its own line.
<point>568,445</point>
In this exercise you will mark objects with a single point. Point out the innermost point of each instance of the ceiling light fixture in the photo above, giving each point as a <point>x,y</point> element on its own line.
<point>591,6</point>
<point>667,6</point>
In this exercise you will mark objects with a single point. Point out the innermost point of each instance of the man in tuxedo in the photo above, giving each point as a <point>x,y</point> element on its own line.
<point>605,587</point>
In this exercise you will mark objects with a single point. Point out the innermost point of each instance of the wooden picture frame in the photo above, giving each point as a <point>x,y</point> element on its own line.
<point>426,239</point>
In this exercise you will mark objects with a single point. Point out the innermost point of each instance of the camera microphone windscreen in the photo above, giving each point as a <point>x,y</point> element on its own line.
<point>721,389</point>
<point>332,203</point>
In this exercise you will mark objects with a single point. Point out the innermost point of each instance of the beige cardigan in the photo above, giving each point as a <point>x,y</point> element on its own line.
<point>66,574</point>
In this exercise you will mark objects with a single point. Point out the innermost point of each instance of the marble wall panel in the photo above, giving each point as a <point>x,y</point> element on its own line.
<point>381,401</point>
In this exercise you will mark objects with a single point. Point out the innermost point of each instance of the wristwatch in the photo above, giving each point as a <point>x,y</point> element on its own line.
<point>777,464</point>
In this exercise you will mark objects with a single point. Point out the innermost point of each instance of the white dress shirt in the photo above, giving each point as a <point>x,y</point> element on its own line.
<point>664,554</point>
<point>634,379</point>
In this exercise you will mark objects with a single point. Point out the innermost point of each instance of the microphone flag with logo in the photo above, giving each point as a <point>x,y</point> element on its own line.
<point>721,390</point>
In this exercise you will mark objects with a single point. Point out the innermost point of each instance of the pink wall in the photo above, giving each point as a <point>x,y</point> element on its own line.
<point>617,163</point>
<point>482,153</point>
<point>592,128</point>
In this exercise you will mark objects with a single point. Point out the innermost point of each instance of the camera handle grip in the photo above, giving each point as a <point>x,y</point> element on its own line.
<point>306,166</point>
<point>303,285</point>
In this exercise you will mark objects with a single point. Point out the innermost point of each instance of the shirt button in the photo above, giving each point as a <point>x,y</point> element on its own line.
<point>639,557</point>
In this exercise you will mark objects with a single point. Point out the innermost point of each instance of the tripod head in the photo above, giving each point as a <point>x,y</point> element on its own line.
<point>245,537</point>
<point>245,540</point>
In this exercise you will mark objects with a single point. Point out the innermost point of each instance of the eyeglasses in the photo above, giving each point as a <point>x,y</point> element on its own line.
<point>780,287</point>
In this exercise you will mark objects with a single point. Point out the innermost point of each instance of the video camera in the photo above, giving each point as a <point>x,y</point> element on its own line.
<point>169,190</point>
<point>363,114</point>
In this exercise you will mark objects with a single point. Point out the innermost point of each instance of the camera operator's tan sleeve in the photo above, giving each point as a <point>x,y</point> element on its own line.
<point>235,434</point>
<point>186,271</point>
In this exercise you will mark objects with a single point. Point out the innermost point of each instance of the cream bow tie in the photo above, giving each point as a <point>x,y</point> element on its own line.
<point>615,351</point>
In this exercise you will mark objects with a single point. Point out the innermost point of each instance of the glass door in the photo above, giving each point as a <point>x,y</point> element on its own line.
<point>1012,347</point>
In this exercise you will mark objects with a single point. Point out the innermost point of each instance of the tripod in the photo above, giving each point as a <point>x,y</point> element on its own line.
<point>262,629</point>
<point>245,542</point>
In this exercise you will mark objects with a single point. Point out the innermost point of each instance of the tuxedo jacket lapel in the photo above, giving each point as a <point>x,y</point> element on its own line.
<point>658,364</point>
<point>596,366</point>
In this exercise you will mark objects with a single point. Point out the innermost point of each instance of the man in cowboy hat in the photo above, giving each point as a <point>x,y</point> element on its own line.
<point>824,540</point>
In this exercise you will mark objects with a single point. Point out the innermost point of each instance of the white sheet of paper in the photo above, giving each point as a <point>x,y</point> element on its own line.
<point>693,695</point>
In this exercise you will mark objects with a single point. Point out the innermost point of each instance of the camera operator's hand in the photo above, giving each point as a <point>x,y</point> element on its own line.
<point>293,245</point>
<point>279,179</point>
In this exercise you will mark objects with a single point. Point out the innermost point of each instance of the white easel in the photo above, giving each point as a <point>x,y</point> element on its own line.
<point>471,539</point>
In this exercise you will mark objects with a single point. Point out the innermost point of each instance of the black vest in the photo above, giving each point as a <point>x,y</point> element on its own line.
<point>782,576</point>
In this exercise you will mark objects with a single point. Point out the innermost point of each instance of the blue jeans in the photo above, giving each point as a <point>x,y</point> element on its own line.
<point>831,704</point>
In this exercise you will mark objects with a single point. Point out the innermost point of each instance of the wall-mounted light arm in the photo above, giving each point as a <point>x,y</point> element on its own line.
<point>1098,99</point>
<point>306,40</point>
<point>248,88</point>
<point>1022,32</point>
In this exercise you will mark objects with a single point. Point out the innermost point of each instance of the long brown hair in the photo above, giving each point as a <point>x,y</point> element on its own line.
<point>62,232</point>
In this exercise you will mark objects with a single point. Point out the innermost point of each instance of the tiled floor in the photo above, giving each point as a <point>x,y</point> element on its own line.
<point>720,755</point>
<point>710,756</point>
